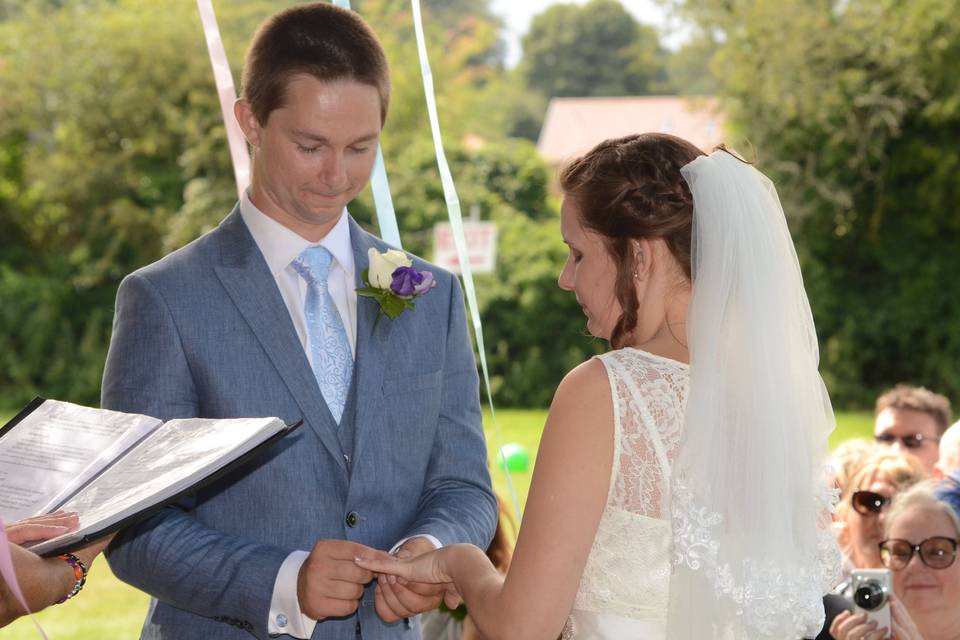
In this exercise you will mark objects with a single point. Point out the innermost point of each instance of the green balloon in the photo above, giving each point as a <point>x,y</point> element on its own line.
<point>517,458</point>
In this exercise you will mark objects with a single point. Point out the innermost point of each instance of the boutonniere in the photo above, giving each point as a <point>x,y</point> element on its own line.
<point>393,282</point>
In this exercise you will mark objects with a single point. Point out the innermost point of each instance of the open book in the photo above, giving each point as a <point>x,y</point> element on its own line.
<point>111,467</point>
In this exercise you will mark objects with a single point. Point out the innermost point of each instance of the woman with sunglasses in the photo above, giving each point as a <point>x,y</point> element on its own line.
<point>920,549</point>
<point>867,481</point>
<point>864,501</point>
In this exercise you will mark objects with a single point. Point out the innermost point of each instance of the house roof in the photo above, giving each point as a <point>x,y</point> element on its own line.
<point>574,125</point>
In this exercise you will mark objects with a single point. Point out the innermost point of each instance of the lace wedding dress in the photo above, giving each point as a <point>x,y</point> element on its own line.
<point>625,584</point>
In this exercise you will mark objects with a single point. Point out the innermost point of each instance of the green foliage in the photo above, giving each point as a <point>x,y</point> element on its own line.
<point>854,109</point>
<point>597,49</point>
<point>535,332</point>
<point>89,173</point>
<point>688,68</point>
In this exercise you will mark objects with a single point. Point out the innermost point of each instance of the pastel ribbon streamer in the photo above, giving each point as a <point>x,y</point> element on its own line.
<point>382,201</point>
<point>456,223</point>
<point>227,94</point>
<point>10,575</point>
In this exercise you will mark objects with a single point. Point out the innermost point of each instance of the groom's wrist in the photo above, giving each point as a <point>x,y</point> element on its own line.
<point>286,614</point>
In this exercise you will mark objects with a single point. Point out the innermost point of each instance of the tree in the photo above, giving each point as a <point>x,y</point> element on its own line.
<point>854,109</point>
<point>688,69</point>
<point>93,166</point>
<point>597,49</point>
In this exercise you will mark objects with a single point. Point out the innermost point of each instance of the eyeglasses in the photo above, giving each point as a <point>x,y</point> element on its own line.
<point>936,553</point>
<point>868,503</point>
<point>912,441</point>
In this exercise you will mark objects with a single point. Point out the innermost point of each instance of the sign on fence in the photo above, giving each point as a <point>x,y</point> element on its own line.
<point>481,238</point>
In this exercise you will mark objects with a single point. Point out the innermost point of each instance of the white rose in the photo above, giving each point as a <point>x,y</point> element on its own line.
<point>382,266</point>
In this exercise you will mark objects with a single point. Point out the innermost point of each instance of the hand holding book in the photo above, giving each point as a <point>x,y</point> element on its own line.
<point>111,467</point>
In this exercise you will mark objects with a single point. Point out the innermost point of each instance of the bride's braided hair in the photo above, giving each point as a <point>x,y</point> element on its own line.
<point>630,188</point>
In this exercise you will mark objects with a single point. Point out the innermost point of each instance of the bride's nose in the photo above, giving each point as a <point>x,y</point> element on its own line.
<point>565,281</point>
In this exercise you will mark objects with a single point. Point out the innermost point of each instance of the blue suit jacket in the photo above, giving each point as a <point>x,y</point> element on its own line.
<point>205,332</point>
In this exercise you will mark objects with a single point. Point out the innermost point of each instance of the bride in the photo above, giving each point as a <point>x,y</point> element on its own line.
<point>677,490</point>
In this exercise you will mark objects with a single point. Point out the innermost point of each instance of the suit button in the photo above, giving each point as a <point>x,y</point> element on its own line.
<point>353,519</point>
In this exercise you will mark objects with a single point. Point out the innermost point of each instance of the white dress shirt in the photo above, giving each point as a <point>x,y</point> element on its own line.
<point>280,246</point>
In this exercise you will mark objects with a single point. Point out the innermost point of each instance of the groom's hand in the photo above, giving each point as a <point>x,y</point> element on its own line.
<point>394,601</point>
<point>330,583</point>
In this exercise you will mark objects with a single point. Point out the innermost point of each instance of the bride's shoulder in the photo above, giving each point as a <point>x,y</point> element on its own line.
<point>582,406</point>
<point>586,378</point>
<point>585,386</point>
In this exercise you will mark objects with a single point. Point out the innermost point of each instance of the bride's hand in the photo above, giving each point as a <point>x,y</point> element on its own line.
<point>430,567</point>
<point>426,567</point>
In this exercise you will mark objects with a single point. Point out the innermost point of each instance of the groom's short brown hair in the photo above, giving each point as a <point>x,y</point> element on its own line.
<point>318,39</point>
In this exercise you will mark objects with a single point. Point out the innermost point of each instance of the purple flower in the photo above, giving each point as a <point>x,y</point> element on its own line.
<point>405,281</point>
<point>426,284</point>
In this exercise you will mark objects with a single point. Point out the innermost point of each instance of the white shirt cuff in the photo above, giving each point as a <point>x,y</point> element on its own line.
<point>285,614</point>
<point>436,543</point>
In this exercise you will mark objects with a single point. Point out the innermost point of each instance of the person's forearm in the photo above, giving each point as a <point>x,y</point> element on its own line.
<point>478,583</point>
<point>481,587</point>
<point>43,581</point>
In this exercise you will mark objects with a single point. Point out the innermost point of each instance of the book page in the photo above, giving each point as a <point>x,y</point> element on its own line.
<point>171,459</point>
<point>57,448</point>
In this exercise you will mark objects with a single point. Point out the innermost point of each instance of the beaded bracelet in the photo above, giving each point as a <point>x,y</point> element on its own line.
<point>79,573</point>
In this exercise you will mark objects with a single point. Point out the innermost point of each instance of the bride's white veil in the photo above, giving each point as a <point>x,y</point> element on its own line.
<point>753,552</point>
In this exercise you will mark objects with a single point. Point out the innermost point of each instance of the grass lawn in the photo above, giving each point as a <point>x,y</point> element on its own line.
<point>108,608</point>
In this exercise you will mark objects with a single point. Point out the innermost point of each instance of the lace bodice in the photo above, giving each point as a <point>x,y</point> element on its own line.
<point>628,570</point>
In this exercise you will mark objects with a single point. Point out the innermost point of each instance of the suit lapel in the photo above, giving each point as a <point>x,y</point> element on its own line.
<point>247,279</point>
<point>372,340</point>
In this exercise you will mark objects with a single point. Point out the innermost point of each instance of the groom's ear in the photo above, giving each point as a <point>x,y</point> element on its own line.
<point>248,122</point>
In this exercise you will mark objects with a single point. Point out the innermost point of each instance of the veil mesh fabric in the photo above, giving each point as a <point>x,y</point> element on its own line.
<point>752,548</point>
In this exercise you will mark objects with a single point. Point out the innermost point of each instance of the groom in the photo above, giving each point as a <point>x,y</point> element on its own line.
<point>261,317</point>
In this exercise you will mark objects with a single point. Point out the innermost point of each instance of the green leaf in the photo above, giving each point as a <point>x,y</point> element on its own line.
<point>392,306</point>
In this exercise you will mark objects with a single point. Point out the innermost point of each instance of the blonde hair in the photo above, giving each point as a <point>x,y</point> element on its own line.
<point>899,469</point>
<point>846,457</point>
<point>920,495</point>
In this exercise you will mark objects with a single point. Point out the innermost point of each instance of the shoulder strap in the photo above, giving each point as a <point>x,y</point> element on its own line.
<point>652,433</point>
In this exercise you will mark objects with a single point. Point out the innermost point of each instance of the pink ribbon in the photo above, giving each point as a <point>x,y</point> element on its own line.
<point>10,575</point>
<point>228,95</point>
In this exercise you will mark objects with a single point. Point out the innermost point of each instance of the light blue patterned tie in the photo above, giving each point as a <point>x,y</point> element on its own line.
<point>329,350</point>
